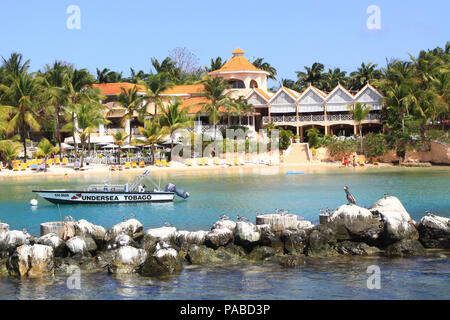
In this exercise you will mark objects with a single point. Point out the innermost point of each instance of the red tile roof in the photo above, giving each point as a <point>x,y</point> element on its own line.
<point>110,89</point>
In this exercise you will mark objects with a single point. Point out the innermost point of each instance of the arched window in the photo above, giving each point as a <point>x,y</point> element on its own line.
<point>253,84</point>
<point>237,84</point>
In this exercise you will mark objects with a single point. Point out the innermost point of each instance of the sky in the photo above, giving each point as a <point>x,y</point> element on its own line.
<point>287,34</point>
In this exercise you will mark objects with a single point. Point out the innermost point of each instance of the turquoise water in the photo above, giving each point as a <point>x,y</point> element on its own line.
<point>244,192</point>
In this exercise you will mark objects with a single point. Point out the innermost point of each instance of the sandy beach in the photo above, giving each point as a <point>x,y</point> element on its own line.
<point>174,167</point>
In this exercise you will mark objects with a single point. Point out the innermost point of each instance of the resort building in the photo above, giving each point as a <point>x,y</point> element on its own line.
<point>296,111</point>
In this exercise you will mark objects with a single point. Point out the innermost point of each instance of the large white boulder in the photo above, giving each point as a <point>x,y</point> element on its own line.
<point>434,232</point>
<point>162,261</point>
<point>52,240</point>
<point>398,224</point>
<point>351,222</point>
<point>127,260</point>
<point>131,227</point>
<point>185,238</point>
<point>218,237</point>
<point>77,245</point>
<point>10,240</point>
<point>153,236</point>
<point>231,225</point>
<point>32,261</point>
<point>246,234</point>
<point>85,228</point>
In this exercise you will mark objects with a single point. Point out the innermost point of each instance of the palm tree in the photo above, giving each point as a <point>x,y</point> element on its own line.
<point>13,67</point>
<point>215,91</point>
<point>332,78</point>
<point>167,65</point>
<point>45,149</point>
<point>153,134</point>
<point>120,137</point>
<point>364,74</point>
<point>88,117</point>
<point>313,76</point>
<point>216,64</point>
<point>260,64</point>
<point>138,76</point>
<point>240,107</point>
<point>131,101</point>
<point>155,86</point>
<point>173,118</point>
<point>55,80</point>
<point>22,100</point>
<point>400,98</point>
<point>9,150</point>
<point>359,114</point>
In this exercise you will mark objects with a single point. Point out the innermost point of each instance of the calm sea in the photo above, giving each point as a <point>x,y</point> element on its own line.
<point>244,192</point>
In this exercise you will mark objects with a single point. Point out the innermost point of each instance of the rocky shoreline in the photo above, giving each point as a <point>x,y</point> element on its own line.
<point>385,229</point>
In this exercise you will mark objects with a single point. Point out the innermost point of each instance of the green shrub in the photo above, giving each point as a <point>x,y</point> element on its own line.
<point>375,144</point>
<point>313,137</point>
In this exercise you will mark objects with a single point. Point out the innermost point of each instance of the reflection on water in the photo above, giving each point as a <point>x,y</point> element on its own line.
<point>245,193</point>
<point>337,278</point>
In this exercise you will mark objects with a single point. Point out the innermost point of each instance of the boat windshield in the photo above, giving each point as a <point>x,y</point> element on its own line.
<point>106,187</point>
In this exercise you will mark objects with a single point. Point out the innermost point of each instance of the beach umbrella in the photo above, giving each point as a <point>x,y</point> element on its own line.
<point>110,146</point>
<point>128,147</point>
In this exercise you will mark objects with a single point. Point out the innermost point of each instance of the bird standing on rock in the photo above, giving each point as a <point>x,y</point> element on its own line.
<point>224,217</point>
<point>350,198</point>
<point>167,224</point>
<point>240,218</point>
<point>428,212</point>
<point>385,195</point>
<point>132,215</point>
<point>124,218</point>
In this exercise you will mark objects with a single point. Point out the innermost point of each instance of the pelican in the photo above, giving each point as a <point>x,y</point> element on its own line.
<point>350,198</point>
<point>124,218</point>
<point>385,195</point>
<point>132,215</point>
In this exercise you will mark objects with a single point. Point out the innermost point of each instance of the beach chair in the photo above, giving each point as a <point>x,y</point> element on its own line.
<point>49,162</point>
<point>23,166</point>
<point>112,167</point>
<point>361,162</point>
<point>165,163</point>
<point>241,162</point>
<point>15,166</point>
<point>127,165</point>
<point>119,167</point>
<point>158,163</point>
<point>236,162</point>
<point>28,163</point>
<point>228,162</point>
<point>216,161</point>
<point>133,164</point>
<point>205,161</point>
<point>188,162</point>
<point>58,161</point>
<point>199,161</point>
<point>141,164</point>
<point>76,166</point>
<point>65,161</point>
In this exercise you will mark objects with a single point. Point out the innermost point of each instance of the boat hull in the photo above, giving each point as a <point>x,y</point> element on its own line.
<point>78,197</point>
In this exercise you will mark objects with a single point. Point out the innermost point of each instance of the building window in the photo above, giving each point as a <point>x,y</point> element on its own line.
<point>253,84</point>
<point>237,84</point>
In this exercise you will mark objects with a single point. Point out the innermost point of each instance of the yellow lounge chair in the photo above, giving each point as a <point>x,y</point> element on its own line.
<point>205,161</point>
<point>65,161</point>
<point>58,161</point>
<point>236,162</point>
<point>188,162</point>
<point>28,163</point>
<point>15,166</point>
<point>199,161</point>
<point>127,165</point>
<point>134,164</point>
<point>158,163</point>
<point>141,164</point>
<point>216,161</point>
<point>165,163</point>
<point>23,166</point>
<point>49,162</point>
<point>361,162</point>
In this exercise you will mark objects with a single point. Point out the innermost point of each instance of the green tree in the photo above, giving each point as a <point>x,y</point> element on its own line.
<point>132,102</point>
<point>359,113</point>
<point>216,64</point>
<point>9,150</point>
<point>366,73</point>
<point>311,76</point>
<point>120,138</point>
<point>173,118</point>
<point>153,134</point>
<point>260,64</point>
<point>45,149</point>
<point>22,101</point>
<point>216,92</point>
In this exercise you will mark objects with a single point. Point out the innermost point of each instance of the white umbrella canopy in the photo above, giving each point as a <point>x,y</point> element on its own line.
<point>110,146</point>
<point>66,146</point>
<point>128,146</point>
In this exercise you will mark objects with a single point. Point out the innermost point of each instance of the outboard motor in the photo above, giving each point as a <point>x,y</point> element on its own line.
<point>179,192</point>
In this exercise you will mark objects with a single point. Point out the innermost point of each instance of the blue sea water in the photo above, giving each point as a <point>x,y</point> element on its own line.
<point>243,192</point>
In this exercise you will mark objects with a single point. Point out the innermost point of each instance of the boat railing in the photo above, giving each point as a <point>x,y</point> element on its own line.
<point>107,187</point>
